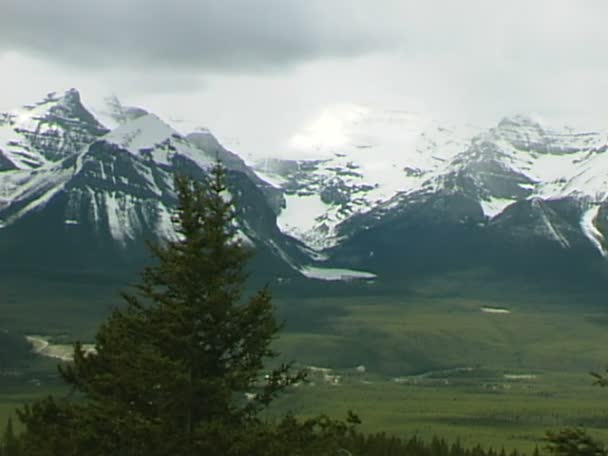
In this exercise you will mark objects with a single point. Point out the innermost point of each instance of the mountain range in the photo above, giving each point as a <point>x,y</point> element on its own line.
<point>393,194</point>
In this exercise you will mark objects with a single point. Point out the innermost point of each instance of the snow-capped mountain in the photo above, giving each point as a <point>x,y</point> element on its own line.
<point>518,193</point>
<point>369,157</point>
<point>520,159</point>
<point>519,197</point>
<point>87,196</point>
<point>376,193</point>
<point>46,132</point>
<point>391,159</point>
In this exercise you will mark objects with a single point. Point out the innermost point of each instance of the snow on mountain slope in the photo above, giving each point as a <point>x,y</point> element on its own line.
<point>46,132</point>
<point>122,179</point>
<point>359,158</point>
<point>494,206</point>
<point>117,189</point>
<point>355,170</point>
<point>366,162</point>
<point>31,189</point>
<point>589,176</point>
<point>149,136</point>
<point>333,274</point>
<point>557,163</point>
<point>142,133</point>
<point>112,113</point>
<point>520,159</point>
<point>591,231</point>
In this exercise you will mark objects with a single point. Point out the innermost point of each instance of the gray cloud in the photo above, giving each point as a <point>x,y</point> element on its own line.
<point>223,62</point>
<point>200,34</point>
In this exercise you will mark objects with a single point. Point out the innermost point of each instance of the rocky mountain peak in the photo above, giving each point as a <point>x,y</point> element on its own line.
<point>391,176</point>
<point>519,121</point>
<point>48,131</point>
<point>71,96</point>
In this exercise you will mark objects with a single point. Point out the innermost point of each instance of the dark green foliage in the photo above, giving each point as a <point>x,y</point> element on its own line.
<point>576,441</point>
<point>387,445</point>
<point>320,436</point>
<point>10,444</point>
<point>573,442</point>
<point>600,379</point>
<point>172,367</point>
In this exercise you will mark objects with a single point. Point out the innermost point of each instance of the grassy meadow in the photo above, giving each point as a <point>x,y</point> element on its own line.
<point>490,409</point>
<point>436,359</point>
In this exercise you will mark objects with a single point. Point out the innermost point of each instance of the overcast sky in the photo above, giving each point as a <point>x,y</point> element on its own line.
<point>257,71</point>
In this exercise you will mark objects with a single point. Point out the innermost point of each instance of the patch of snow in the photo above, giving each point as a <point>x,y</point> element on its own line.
<point>142,133</point>
<point>368,154</point>
<point>333,274</point>
<point>121,211</point>
<point>94,205</point>
<point>300,214</point>
<point>590,178</point>
<point>37,186</point>
<point>149,133</point>
<point>164,222</point>
<point>63,352</point>
<point>317,369</point>
<point>495,206</point>
<point>591,231</point>
<point>273,179</point>
<point>549,168</point>
<point>495,310</point>
<point>520,376</point>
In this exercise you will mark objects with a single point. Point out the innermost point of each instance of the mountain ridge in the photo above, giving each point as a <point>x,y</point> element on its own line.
<point>116,190</point>
<point>513,161</point>
<point>390,185</point>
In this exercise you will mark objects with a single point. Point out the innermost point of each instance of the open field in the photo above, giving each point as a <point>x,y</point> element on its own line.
<point>524,368</point>
<point>436,360</point>
<point>55,307</point>
<point>475,406</point>
<point>397,336</point>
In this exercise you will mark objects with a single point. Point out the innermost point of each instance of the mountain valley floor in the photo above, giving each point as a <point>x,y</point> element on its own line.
<point>429,362</point>
<point>478,408</point>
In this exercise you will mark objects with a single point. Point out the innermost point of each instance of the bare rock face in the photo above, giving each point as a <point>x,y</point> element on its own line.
<point>48,131</point>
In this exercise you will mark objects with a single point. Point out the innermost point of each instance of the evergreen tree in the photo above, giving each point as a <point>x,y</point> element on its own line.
<point>573,442</point>
<point>170,370</point>
<point>10,445</point>
<point>576,441</point>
